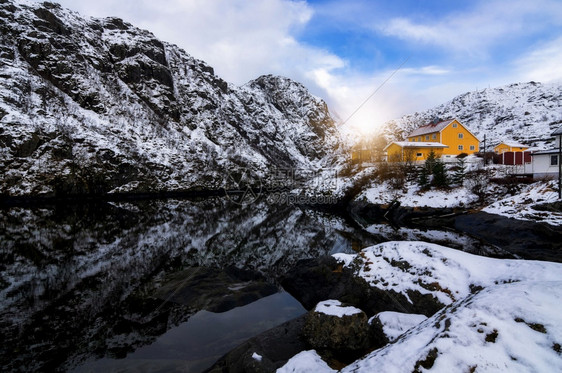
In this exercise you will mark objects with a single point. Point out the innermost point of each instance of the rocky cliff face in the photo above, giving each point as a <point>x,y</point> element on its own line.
<point>100,106</point>
<point>525,112</point>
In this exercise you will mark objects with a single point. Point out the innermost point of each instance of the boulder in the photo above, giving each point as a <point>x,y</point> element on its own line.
<point>336,327</point>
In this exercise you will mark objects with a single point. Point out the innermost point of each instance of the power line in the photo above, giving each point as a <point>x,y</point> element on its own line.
<point>376,90</point>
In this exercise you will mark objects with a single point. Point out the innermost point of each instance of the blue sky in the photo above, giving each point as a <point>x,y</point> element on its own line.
<point>344,50</point>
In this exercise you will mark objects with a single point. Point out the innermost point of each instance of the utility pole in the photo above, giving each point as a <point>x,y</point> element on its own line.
<point>485,151</point>
<point>558,135</point>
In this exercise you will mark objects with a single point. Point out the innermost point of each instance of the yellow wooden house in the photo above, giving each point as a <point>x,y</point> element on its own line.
<point>447,139</point>
<point>510,146</point>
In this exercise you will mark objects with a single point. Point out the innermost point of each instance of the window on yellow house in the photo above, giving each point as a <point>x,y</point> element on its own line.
<point>434,136</point>
<point>419,138</point>
<point>454,125</point>
<point>461,135</point>
<point>461,147</point>
<point>472,147</point>
<point>427,138</point>
<point>419,155</point>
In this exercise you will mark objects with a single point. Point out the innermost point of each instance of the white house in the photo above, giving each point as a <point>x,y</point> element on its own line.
<point>546,163</point>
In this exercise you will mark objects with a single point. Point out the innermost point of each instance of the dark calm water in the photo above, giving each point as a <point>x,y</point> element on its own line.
<point>157,285</point>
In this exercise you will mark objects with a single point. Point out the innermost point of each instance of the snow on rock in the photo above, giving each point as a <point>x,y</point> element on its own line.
<point>499,314</point>
<point>157,120</point>
<point>257,357</point>
<point>513,327</point>
<point>526,205</point>
<point>446,274</point>
<point>335,308</point>
<point>383,193</point>
<point>306,361</point>
<point>395,324</point>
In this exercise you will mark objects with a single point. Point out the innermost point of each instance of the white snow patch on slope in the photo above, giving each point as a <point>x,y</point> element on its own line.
<point>520,206</point>
<point>445,273</point>
<point>395,324</point>
<point>413,197</point>
<point>306,361</point>
<point>509,322</point>
<point>513,327</point>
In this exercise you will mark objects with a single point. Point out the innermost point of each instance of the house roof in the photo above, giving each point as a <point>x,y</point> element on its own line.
<point>543,152</point>
<point>557,132</point>
<point>431,127</point>
<point>412,144</point>
<point>513,144</point>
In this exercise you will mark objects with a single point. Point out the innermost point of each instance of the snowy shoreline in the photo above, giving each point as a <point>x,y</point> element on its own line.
<point>488,304</point>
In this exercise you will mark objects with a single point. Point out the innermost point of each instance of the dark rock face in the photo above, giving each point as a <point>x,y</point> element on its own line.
<point>348,333</point>
<point>315,280</point>
<point>525,239</point>
<point>99,106</point>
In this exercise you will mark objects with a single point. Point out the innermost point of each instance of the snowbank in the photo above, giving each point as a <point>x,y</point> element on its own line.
<point>394,324</point>
<point>446,274</point>
<point>306,361</point>
<point>511,328</point>
<point>500,314</point>
<point>414,197</point>
<point>521,206</point>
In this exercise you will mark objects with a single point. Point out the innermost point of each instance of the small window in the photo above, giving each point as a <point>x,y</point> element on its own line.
<point>461,147</point>
<point>472,147</point>
<point>454,125</point>
<point>427,138</point>
<point>554,160</point>
<point>419,138</point>
<point>419,155</point>
<point>434,137</point>
<point>461,135</point>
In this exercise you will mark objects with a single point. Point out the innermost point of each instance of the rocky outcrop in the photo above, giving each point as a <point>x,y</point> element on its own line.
<point>98,106</point>
<point>339,331</point>
<point>525,239</point>
<point>314,280</point>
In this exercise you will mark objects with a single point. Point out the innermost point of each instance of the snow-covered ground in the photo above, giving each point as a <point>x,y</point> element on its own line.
<point>414,197</point>
<point>500,315</point>
<point>522,206</point>
<point>394,324</point>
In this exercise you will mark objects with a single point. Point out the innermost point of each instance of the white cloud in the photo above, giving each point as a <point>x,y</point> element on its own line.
<point>473,32</point>
<point>241,39</point>
<point>427,70</point>
<point>543,64</point>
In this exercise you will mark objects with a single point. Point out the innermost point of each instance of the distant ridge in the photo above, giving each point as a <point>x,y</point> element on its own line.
<point>523,112</point>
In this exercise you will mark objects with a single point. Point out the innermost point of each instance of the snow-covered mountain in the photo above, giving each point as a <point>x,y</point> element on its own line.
<point>525,112</point>
<point>99,106</point>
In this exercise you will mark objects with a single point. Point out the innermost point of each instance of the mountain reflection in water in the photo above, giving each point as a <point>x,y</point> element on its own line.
<point>164,284</point>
